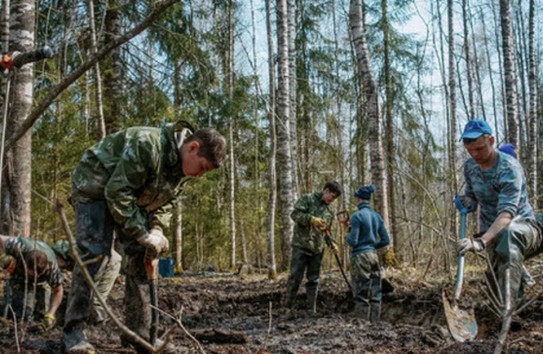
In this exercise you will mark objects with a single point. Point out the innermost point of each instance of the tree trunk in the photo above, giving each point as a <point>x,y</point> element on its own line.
<point>452,116</point>
<point>284,141</point>
<point>357,26</point>
<point>97,77</point>
<point>293,89</point>
<point>22,40</point>
<point>229,77</point>
<point>471,110</point>
<point>112,76</point>
<point>533,119</point>
<point>509,72</point>
<point>270,228</point>
<point>389,127</point>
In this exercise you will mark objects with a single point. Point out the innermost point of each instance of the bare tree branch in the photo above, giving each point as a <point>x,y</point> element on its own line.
<point>38,110</point>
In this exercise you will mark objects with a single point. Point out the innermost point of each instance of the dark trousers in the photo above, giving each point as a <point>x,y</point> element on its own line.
<point>94,231</point>
<point>303,262</point>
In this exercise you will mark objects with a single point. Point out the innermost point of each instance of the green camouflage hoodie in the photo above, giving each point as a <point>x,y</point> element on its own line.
<point>306,236</point>
<point>138,171</point>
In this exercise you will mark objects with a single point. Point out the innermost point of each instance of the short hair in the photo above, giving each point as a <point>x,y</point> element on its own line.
<point>333,187</point>
<point>471,140</point>
<point>36,260</point>
<point>212,145</point>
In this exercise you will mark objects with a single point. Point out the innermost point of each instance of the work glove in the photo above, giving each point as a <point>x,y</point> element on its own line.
<point>48,322</point>
<point>390,260</point>
<point>155,240</point>
<point>319,223</point>
<point>334,248</point>
<point>469,244</point>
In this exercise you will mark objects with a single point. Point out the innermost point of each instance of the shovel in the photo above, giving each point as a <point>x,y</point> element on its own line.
<point>151,268</point>
<point>461,322</point>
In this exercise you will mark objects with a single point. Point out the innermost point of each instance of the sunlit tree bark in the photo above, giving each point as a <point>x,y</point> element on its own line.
<point>511,94</point>
<point>19,158</point>
<point>371,95</point>
<point>284,157</point>
<point>270,223</point>
<point>533,118</point>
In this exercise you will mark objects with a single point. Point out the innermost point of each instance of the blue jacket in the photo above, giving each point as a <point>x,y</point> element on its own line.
<point>366,225</point>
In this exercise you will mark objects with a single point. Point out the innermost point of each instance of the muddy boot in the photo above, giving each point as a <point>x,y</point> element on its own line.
<point>77,314</point>
<point>293,283</point>
<point>362,298</point>
<point>362,310</point>
<point>83,347</point>
<point>375,313</point>
<point>375,300</point>
<point>311,291</point>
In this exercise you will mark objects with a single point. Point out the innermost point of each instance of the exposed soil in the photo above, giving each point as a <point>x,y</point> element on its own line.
<point>232,310</point>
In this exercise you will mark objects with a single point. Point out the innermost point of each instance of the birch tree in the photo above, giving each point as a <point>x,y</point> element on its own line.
<point>284,157</point>
<point>272,178</point>
<point>371,96</point>
<point>533,118</point>
<point>452,113</point>
<point>293,88</point>
<point>19,158</point>
<point>509,70</point>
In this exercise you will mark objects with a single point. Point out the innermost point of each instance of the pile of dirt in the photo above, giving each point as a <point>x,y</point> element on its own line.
<point>233,315</point>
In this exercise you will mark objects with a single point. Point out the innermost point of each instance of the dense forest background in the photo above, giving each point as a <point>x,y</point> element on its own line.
<point>305,92</point>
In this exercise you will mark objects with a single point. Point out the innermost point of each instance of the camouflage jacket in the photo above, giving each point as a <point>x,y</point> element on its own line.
<point>138,171</point>
<point>19,247</point>
<point>501,188</point>
<point>306,236</point>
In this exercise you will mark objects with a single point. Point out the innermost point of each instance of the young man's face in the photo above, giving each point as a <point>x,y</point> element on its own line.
<point>328,197</point>
<point>481,150</point>
<point>194,165</point>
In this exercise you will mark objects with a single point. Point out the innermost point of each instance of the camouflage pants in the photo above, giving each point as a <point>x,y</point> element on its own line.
<point>519,241</point>
<point>366,275</point>
<point>303,262</point>
<point>95,229</point>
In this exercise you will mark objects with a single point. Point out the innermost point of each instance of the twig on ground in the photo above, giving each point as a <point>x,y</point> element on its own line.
<point>15,328</point>
<point>528,303</point>
<point>180,324</point>
<point>270,318</point>
<point>88,278</point>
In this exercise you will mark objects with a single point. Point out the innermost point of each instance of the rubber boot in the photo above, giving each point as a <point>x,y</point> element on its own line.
<point>362,298</point>
<point>290,294</point>
<point>312,298</point>
<point>375,300</point>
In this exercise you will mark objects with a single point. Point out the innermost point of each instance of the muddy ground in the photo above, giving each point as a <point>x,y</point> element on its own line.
<point>233,309</point>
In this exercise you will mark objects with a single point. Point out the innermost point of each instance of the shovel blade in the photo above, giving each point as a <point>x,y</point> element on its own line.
<point>461,322</point>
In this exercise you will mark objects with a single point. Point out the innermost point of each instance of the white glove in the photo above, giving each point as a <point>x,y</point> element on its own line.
<point>155,240</point>
<point>469,244</point>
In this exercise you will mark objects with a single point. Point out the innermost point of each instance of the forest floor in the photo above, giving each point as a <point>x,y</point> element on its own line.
<point>233,314</point>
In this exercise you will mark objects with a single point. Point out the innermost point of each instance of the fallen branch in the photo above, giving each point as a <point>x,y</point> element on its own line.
<point>88,278</point>
<point>180,324</point>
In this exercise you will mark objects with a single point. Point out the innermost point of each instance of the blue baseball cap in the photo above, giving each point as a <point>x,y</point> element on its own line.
<point>475,128</point>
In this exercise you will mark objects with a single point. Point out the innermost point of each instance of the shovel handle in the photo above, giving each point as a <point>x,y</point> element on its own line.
<point>460,267</point>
